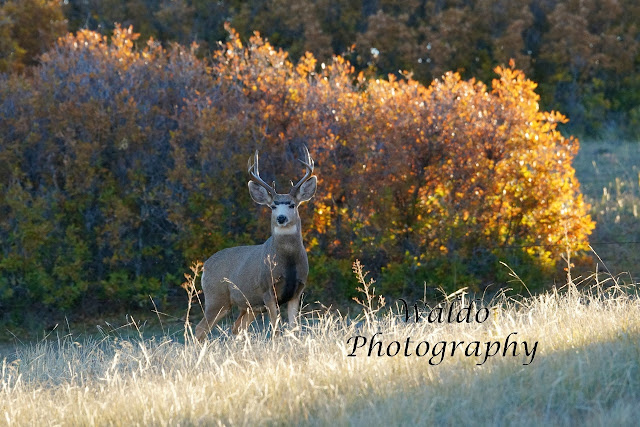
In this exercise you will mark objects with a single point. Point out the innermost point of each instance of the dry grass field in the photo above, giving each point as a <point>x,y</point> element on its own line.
<point>581,364</point>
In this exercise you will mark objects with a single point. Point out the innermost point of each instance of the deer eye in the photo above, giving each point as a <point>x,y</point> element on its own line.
<point>291,206</point>
<point>272,207</point>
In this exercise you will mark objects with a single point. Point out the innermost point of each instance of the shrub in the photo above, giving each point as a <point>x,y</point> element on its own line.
<point>119,165</point>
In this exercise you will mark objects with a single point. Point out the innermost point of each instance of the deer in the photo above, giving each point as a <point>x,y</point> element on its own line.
<point>266,276</point>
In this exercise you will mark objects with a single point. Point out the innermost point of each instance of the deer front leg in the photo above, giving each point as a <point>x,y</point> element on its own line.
<point>293,306</point>
<point>272,309</point>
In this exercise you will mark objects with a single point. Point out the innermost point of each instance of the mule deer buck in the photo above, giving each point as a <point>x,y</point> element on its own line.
<point>261,276</point>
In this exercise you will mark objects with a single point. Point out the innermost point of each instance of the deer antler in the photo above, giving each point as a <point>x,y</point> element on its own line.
<point>309,170</point>
<point>255,174</point>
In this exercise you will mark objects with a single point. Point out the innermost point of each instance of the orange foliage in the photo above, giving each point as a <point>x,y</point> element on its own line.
<point>408,169</point>
<point>133,164</point>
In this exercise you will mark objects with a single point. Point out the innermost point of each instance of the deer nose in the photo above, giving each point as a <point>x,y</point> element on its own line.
<point>281,219</point>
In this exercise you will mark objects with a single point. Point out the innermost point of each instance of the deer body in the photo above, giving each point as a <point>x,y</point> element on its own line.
<point>259,277</point>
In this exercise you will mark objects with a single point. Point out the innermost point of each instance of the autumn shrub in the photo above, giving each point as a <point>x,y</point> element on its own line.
<point>441,182</point>
<point>87,154</point>
<point>121,164</point>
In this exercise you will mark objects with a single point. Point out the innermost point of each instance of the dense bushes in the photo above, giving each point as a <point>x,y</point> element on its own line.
<point>584,53</point>
<point>118,166</point>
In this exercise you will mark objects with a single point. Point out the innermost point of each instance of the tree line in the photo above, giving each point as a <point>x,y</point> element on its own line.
<point>122,161</point>
<point>584,54</point>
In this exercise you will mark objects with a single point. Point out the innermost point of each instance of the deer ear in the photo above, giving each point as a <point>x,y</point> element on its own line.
<point>307,190</point>
<point>259,194</point>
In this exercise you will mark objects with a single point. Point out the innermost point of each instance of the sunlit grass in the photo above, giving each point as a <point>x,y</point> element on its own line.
<point>587,367</point>
<point>609,175</point>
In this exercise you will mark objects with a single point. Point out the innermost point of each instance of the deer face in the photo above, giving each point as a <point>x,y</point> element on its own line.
<point>284,207</point>
<point>284,216</point>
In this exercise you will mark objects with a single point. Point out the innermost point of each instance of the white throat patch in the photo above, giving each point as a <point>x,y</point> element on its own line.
<point>291,229</point>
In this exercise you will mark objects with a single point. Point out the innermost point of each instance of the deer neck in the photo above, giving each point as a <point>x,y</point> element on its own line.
<point>287,240</point>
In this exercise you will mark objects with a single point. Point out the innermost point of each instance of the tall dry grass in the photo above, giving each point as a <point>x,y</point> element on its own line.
<point>586,368</point>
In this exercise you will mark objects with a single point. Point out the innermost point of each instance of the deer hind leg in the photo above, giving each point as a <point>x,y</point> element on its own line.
<point>236,324</point>
<point>247,315</point>
<point>212,315</point>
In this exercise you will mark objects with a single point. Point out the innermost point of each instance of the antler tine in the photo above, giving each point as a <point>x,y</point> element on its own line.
<point>255,174</point>
<point>309,162</point>
<point>309,165</point>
